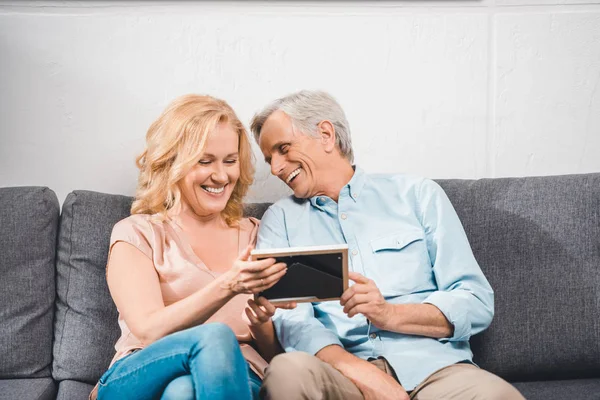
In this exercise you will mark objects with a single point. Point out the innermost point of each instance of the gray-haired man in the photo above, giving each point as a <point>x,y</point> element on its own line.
<point>418,293</point>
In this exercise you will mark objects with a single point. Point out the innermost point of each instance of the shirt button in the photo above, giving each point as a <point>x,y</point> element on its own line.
<point>373,335</point>
<point>354,252</point>
<point>344,216</point>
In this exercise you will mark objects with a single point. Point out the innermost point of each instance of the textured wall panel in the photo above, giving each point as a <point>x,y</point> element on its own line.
<point>547,102</point>
<point>79,91</point>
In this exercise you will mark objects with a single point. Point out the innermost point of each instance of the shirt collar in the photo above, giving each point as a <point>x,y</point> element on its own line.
<point>354,188</point>
<point>357,182</point>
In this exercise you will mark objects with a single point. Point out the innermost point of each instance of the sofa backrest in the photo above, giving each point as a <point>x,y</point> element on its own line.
<point>536,239</point>
<point>538,242</point>
<point>85,327</point>
<point>28,225</point>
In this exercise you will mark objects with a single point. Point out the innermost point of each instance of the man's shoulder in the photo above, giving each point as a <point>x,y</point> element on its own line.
<point>289,203</point>
<point>399,180</point>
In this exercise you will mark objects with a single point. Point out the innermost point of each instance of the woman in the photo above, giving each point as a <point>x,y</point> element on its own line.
<point>178,267</point>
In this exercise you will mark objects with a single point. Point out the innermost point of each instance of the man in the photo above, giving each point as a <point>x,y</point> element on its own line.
<point>418,292</point>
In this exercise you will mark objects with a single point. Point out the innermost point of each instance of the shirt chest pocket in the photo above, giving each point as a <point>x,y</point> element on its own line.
<point>400,262</point>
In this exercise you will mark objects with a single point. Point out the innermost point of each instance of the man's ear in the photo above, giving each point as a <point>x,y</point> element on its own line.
<point>327,135</point>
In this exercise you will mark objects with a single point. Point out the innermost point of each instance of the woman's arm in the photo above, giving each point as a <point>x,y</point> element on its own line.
<point>135,289</point>
<point>258,314</point>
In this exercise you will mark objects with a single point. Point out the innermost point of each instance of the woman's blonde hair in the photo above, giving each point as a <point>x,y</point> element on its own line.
<point>175,143</point>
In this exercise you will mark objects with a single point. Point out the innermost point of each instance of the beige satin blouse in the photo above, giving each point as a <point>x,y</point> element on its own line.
<point>181,273</point>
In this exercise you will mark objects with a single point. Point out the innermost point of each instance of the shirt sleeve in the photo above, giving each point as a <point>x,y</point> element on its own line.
<point>134,231</point>
<point>272,232</point>
<point>464,295</point>
<point>297,329</point>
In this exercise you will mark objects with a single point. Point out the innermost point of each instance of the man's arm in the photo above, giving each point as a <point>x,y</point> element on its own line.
<point>462,306</point>
<point>464,295</point>
<point>365,298</point>
<point>370,380</point>
<point>292,326</point>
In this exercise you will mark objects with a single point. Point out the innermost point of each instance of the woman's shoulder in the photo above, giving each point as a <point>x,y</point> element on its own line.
<point>249,226</point>
<point>249,223</point>
<point>138,225</point>
<point>140,230</point>
<point>134,220</point>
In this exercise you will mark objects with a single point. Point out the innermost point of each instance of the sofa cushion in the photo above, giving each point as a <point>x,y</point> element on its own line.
<point>73,390</point>
<point>28,226</point>
<point>86,326</point>
<point>31,389</point>
<point>538,242</point>
<point>576,389</point>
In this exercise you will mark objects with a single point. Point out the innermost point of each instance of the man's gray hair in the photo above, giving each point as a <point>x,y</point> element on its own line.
<point>306,109</point>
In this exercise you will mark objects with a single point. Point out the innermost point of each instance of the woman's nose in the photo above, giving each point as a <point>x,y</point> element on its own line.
<point>219,174</point>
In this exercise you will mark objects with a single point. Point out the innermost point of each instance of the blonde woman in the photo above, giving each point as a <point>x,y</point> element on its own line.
<point>178,268</point>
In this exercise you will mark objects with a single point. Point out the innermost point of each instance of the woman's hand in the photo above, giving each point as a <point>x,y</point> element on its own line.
<point>252,276</point>
<point>260,311</point>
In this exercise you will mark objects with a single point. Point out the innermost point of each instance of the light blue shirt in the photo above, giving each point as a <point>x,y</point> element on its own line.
<point>403,233</point>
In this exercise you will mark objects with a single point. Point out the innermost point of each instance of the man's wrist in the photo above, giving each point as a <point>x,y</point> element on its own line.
<point>390,320</point>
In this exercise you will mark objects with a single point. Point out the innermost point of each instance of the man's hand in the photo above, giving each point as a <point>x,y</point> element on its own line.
<point>365,298</point>
<point>373,383</point>
<point>382,387</point>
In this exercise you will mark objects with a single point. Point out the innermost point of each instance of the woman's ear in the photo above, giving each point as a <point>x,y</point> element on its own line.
<point>327,134</point>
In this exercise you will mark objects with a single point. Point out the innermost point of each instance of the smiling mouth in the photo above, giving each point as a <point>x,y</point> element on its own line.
<point>213,190</point>
<point>294,174</point>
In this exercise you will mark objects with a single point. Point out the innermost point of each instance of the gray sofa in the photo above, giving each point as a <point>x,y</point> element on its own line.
<point>537,240</point>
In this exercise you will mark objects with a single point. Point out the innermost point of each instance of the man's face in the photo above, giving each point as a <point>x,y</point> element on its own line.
<point>295,158</point>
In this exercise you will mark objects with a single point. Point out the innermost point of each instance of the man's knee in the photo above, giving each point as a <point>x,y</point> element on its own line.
<point>293,365</point>
<point>489,386</point>
<point>290,373</point>
<point>498,389</point>
<point>463,381</point>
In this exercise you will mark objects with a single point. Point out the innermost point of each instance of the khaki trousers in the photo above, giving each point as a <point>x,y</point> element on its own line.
<point>300,376</point>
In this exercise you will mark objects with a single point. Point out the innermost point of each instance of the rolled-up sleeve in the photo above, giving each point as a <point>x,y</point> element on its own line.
<point>464,295</point>
<point>297,329</point>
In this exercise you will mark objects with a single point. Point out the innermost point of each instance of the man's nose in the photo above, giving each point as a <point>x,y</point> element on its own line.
<point>276,165</point>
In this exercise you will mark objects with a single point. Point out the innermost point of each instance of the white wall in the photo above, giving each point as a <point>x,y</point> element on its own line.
<point>440,88</point>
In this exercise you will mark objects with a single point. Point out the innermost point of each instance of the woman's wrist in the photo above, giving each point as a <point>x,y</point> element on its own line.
<point>263,330</point>
<point>225,284</point>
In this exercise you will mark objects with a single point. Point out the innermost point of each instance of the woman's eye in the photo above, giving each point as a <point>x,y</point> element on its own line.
<point>203,162</point>
<point>230,161</point>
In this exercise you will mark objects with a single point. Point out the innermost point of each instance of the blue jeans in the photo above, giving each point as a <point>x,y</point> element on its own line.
<point>204,362</point>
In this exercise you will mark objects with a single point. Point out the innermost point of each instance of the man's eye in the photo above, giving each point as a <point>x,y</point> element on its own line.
<point>284,148</point>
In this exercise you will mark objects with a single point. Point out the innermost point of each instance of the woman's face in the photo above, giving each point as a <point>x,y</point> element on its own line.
<point>207,186</point>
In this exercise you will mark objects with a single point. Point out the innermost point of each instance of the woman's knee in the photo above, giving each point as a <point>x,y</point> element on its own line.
<point>181,388</point>
<point>211,335</point>
<point>219,335</point>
